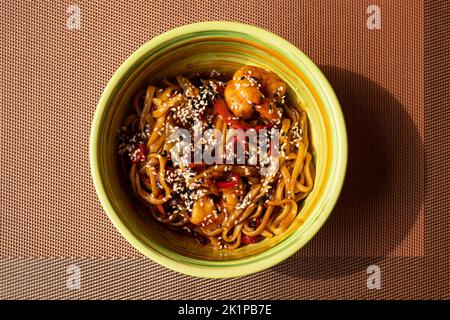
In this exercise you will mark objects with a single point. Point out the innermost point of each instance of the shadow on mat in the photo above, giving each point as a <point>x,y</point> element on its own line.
<point>383,191</point>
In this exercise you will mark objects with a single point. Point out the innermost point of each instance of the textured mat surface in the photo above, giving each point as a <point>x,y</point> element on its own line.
<point>52,78</point>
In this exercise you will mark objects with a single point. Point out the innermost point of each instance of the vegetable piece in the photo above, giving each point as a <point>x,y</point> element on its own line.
<point>262,126</point>
<point>139,154</point>
<point>247,239</point>
<point>231,182</point>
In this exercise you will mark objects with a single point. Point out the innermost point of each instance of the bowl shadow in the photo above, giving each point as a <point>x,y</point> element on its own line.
<point>383,190</point>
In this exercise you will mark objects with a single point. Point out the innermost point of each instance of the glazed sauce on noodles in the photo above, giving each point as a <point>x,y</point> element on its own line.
<point>259,165</point>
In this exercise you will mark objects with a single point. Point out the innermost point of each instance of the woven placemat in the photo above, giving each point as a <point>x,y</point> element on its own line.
<point>53,75</point>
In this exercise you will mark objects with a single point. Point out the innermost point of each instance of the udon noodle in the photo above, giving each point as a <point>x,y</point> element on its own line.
<point>222,204</point>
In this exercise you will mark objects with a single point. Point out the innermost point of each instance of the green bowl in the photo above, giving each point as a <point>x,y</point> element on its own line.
<point>222,46</point>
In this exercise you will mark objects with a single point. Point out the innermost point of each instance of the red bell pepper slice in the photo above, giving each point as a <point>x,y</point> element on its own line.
<point>262,126</point>
<point>139,154</point>
<point>247,239</point>
<point>231,182</point>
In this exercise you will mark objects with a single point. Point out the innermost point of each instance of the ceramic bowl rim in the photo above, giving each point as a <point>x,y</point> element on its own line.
<point>224,271</point>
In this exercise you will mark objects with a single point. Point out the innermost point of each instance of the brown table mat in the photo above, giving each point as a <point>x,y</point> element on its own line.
<point>52,78</point>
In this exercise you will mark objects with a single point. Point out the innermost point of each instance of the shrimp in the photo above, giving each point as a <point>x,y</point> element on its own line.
<point>202,209</point>
<point>241,97</point>
<point>254,89</point>
<point>269,83</point>
<point>207,214</point>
